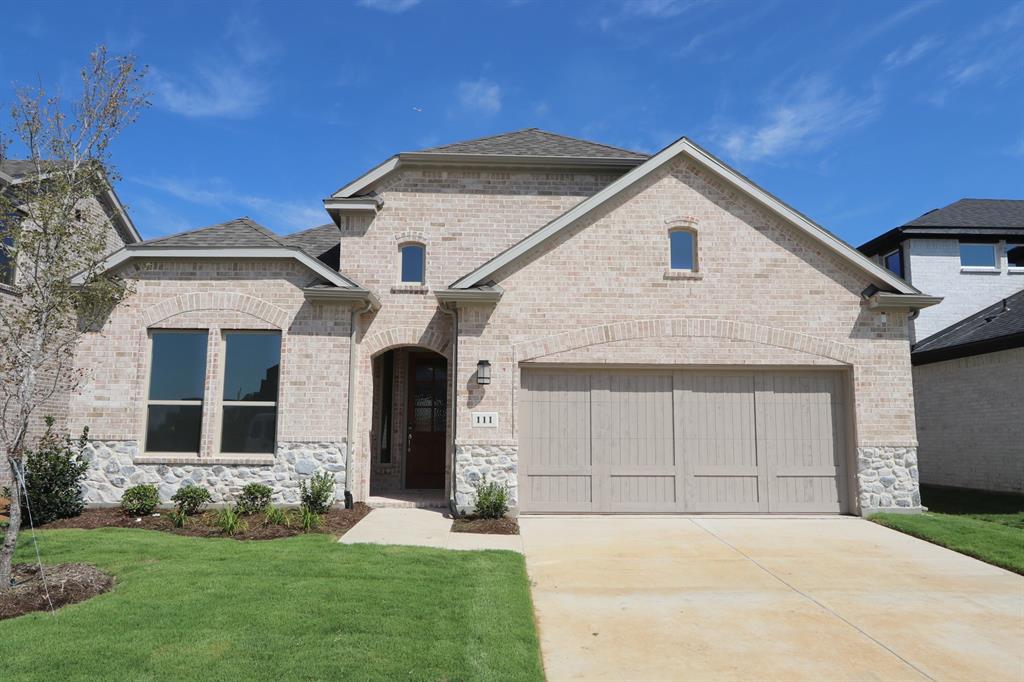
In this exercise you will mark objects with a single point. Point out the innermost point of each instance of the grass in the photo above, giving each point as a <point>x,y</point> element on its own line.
<point>304,607</point>
<point>986,526</point>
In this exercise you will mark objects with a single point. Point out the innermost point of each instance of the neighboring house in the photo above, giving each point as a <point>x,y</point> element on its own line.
<point>968,383</point>
<point>602,330</point>
<point>970,253</point>
<point>106,208</point>
<point>967,355</point>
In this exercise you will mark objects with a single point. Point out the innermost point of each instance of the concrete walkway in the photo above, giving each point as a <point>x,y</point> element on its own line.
<point>422,528</point>
<point>699,598</point>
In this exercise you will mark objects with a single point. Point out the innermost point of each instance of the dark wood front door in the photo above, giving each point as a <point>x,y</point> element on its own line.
<point>428,413</point>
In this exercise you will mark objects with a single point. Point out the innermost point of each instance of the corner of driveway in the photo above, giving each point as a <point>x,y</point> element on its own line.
<point>676,597</point>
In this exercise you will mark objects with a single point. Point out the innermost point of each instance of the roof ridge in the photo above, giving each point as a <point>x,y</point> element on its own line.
<point>259,229</point>
<point>580,139</point>
<point>477,139</point>
<point>628,153</point>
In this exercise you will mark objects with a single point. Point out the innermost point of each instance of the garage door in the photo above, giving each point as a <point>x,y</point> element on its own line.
<point>637,441</point>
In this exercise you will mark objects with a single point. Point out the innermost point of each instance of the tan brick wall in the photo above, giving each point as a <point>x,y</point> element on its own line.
<point>970,419</point>
<point>217,295</point>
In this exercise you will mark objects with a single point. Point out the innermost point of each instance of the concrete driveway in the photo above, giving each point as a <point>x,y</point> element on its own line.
<point>655,598</point>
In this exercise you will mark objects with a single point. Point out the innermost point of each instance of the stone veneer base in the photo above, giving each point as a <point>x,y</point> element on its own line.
<point>478,463</point>
<point>887,479</point>
<point>115,466</point>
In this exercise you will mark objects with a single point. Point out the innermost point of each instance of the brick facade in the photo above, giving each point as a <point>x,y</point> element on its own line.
<point>971,421</point>
<point>598,293</point>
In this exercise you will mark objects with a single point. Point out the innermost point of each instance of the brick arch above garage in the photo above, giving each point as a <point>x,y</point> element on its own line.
<point>684,327</point>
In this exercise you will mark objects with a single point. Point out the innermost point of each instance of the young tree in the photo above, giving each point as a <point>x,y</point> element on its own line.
<point>52,229</point>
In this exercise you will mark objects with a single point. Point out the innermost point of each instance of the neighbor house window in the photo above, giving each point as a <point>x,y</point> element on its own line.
<point>894,262</point>
<point>174,413</point>
<point>414,260</point>
<point>7,262</point>
<point>251,375</point>
<point>682,249</point>
<point>1015,256</point>
<point>977,255</point>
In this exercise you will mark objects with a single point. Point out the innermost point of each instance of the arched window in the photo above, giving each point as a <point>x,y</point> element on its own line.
<point>682,249</point>
<point>414,263</point>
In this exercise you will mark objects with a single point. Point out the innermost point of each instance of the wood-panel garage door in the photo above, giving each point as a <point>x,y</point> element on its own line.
<point>634,441</point>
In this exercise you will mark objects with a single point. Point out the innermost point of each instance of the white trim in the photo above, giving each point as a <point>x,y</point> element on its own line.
<point>343,204</point>
<point>684,146</point>
<point>122,256</point>
<point>366,179</point>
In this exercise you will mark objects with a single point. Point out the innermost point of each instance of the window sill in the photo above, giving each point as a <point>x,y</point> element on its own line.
<point>185,459</point>
<point>1015,271</point>
<point>978,270</point>
<point>683,274</point>
<point>410,289</point>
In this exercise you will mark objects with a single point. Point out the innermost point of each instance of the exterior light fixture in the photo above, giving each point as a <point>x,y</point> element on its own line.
<point>483,372</point>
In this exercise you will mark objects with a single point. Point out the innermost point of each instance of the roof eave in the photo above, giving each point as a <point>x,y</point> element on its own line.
<point>488,296</point>
<point>357,296</point>
<point>966,350</point>
<point>884,301</point>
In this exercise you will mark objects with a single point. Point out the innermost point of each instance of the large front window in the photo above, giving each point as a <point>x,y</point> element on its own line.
<point>251,371</point>
<point>174,413</point>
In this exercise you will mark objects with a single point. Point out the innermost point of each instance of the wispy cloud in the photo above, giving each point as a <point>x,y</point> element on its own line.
<point>216,193</point>
<point>901,57</point>
<point>481,95</point>
<point>808,116</point>
<point>230,84</point>
<point>659,9</point>
<point>390,6</point>
<point>994,50</point>
<point>888,23</point>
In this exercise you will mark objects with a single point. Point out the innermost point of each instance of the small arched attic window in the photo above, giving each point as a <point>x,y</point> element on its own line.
<point>413,263</point>
<point>682,245</point>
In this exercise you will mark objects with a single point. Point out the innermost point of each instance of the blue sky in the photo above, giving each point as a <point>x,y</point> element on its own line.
<point>860,114</point>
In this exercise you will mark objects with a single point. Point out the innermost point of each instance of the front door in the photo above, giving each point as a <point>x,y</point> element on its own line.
<point>428,388</point>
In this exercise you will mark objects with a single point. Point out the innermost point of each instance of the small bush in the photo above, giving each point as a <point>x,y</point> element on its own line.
<point>178,518</point>
<point>492,500</point>
<point>308,518</point>
<point>229,521</point>
<point>318,496</point>
<point>275,516</point>
<point>54,472</point>
<point>191,499</point>
<point>140,500</point>
<point>255,497</point>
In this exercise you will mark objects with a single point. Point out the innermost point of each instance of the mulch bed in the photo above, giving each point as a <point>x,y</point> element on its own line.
<point>502,526</point>
<point>335,522</point>
<point>65,583</point>
<point>3,508</point>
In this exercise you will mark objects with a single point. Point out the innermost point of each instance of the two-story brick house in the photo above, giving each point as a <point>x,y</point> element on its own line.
<point>600,329</point>
<point>968,351</point>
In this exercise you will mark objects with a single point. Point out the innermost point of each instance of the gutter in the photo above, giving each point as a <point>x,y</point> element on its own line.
<point>350,425</point>
<point>883,301</point>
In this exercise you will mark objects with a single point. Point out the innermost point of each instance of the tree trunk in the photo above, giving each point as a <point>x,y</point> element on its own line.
<point>11,533</point>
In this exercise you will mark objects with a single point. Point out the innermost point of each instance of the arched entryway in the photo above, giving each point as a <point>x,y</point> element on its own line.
<point>409,435</point>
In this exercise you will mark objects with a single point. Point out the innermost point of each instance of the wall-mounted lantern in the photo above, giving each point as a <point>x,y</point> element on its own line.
<point>483,372</point>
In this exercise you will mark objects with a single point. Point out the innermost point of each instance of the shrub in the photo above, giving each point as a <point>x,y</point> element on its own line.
<point>492,500</point>
<point>255,497</point>
<point>53,475</point>
<point>308,518</point>
<point>191,499</point>
<point>275,516</point>
<point>229,521</point>
<point>318,496</point>
<point>140,500</point>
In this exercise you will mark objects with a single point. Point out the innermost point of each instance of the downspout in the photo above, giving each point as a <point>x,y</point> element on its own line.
<point>350,428</point>
<point>453,310</point>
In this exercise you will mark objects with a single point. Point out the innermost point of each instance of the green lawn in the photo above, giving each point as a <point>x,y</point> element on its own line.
<point>986,526</point>
<point>298,608</point>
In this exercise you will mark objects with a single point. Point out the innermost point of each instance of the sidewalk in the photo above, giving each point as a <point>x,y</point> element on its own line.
<point>423,528</point>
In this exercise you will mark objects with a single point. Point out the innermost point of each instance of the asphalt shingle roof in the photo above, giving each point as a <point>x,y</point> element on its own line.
<point>240,233</point>
<point>1002,319</point>
<point>974,213</point>
<point>535,142</point>
<point>323,242</point>
<point>16,168</point>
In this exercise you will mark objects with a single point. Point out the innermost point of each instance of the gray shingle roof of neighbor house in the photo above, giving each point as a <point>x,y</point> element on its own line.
<point>971,218</point>
<point>998,327</point>
<point>535,142</point>
<point>16,168</point>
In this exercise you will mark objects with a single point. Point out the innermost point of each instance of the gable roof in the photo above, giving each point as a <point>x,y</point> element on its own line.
<point>238,238</point>
<point>527,147</point>
<point>998,327</point>
<point>684,147</point>
<point>535,142</point>
<point>322,242</point>
<point>14,171</point>
<point>970,218</point>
